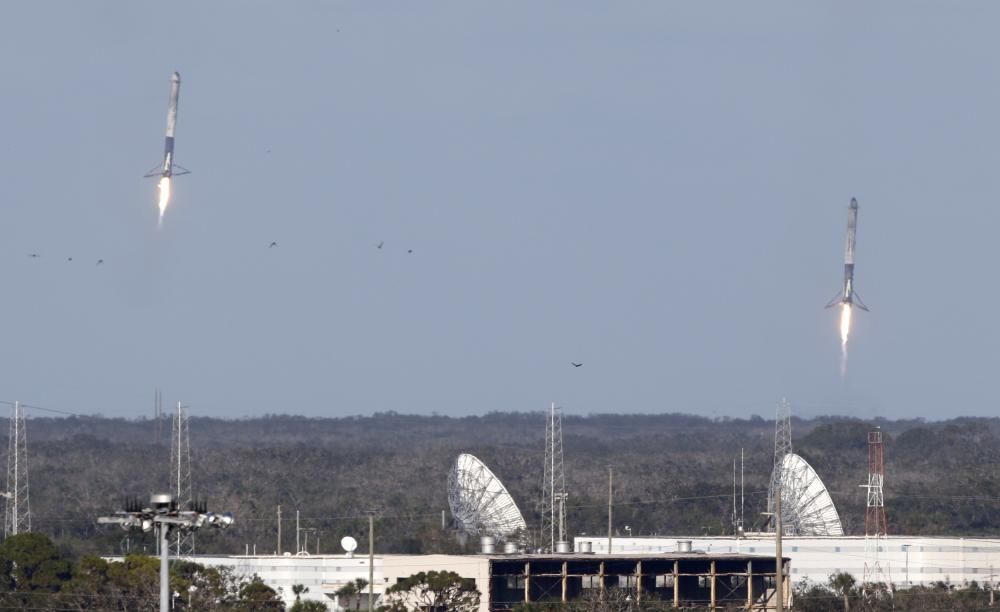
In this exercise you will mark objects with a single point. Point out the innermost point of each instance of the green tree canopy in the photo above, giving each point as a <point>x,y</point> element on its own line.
<point>432,592</point>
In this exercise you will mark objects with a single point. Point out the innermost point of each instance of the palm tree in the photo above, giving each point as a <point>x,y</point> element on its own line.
<point>843,584</point>
<point>353,589</point>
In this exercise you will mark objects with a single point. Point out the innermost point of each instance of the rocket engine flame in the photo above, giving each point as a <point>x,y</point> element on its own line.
<point>845,331</point>
<point>845,324</point>
<point>164,187</point>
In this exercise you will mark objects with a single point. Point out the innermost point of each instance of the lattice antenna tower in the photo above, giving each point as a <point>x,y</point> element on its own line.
<point>782,447</point>
<point>876,578</point>
<point>17,515</point>
<point>553,506</point>
<point>180,476</point>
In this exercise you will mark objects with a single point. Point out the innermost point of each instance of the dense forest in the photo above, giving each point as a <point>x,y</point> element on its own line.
<point>673,474</point>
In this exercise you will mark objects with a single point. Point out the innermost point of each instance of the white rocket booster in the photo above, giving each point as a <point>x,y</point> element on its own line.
<point>847,295</point>
<point>168,168</point>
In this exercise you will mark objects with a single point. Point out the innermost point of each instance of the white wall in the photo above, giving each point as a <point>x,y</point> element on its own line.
<point>321,574</point>
<point>325,574</point>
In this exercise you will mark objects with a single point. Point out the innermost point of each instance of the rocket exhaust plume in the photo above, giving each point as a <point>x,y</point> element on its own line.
<point>164,199</point>
<point>847,297</point>
<point>168,169</point>
<point>845,331</point>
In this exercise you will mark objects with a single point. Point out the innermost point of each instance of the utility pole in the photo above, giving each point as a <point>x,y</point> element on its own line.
<point>779,572</point>
<point>298,545</point>
<point>610,508</point>
<point>906,548</point>
<point>371,559</point>
<point>992,602</point>
<point>278,552</point>
<point>736,525</point>
<point>163,533</point>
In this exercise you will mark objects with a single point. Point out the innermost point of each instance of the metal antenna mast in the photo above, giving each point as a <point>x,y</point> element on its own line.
<point>553,508</point>
<point>782,447</point>
<point>17,517</point>
<point>876,578</point>
<point>740,526</point>
<point>180,476</point>
<point>736,519</point>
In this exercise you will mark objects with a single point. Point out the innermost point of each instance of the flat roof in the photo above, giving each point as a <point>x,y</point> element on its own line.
<point>680,556</point>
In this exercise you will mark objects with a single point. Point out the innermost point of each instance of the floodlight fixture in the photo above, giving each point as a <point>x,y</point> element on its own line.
<point>163,515</point>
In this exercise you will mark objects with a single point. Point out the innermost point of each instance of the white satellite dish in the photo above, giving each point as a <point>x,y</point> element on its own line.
<point>349,544</point>
<point>806,506</point>
<point>479,502</point>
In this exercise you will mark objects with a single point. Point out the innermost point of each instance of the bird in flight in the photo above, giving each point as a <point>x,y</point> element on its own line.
<point>34,255</point>
<point>380,244</point>
<point>69,259</point>
<point>272,245</point>
<point>99,262</point>
<point>575,364</point>
<point>409,250</point>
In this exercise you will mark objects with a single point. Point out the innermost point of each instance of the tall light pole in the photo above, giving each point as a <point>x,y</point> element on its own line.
<point>371,560</point>
<point>163,515</point>
<point>779,574</point>
<point>610,498</point>
<point>906,549</point>
<point>779,571</point>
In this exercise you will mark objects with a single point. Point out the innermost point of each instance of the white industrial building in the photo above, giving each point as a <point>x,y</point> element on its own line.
<point>324,575</point>
<point>507,580</point>
<point>906,560</point>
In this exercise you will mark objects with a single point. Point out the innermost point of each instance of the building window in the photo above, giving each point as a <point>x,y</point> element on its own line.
<point>626,582</point>
<point>664,581</point>
<point>514,582</point>
<point>590,581</point>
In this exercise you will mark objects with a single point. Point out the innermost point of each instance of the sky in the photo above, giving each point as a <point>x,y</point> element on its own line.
<point>658,190</point>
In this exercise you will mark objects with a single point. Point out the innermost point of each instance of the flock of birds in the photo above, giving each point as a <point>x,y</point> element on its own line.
<point>273,244</point>
<point>377,246</point>
<point>38,256</point>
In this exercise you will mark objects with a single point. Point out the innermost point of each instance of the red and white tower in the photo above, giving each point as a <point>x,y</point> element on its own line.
<point>876,579</point>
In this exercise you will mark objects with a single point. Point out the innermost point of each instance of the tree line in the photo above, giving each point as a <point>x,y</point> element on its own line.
<point>673,475</point>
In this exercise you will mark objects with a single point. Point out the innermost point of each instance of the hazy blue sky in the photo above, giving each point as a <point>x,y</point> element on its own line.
<point>656,189</point>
